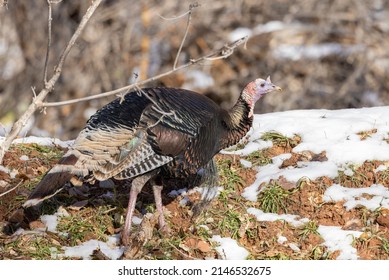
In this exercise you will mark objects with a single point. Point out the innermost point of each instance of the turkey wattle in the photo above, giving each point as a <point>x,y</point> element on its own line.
<point>151,135</point>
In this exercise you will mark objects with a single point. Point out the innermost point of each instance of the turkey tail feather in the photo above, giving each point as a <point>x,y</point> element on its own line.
<point>52,182</point>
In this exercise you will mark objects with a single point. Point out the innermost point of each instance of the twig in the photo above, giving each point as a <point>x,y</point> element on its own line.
<point>158,108</point>
<point>181,253</point>
<point>173,18</point>
<point>223,52</point>
<point>10,190</point>
<point>191,7</point>
<point>48,42</point>
<point>37,103</point>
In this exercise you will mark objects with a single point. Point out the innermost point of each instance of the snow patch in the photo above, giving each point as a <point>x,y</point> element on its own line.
<point>51,221</point>
<point>333,131</point>
<point>338,239</point>
<point>380,168</point>
<point>43,141</point>
<point>136,220</point>
<point>4,169</point>
<point>12,173</point>
<point>249,148</point>
<point>85,250</point>
<point>282,239</point>
<point>354,198</point>
<point>246,163</point>
<point>294,247</point>
<point>24,158</point>
<point>261,216</point>
<point>229,248</point>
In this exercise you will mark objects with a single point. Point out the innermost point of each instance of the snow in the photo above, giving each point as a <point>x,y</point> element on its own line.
<point>380,168</point>
<point>229,248</point>
<point>4,169</point>
<point>268,172</point>
<point>261,216</point>
<point>136,220</point>
<point>250,147</point>
<point>44,141</point>
<point>51,221</point>
<point>334,237</point>
<point>338,239</point>
<point>12,173</point>
<point>294,247</point>
<point>24,157</point>
<point>246,163</point>
<point>282,239</point>
<point>85,250</point>
<point>334,132</point>
<point>353,196</point>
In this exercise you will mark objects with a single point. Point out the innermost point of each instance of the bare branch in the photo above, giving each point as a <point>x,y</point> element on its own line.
<point>191,7</point>
<point>37,103</point>
<point>223,52</point>
<point>173,18</point>
<point>158,108</point>
<point>48,42</point>
<point>10,190</point>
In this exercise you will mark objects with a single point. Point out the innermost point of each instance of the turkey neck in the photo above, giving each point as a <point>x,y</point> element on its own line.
<point>236,123</point>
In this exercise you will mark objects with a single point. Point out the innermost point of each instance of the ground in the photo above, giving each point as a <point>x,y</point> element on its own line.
<point>91,213</point>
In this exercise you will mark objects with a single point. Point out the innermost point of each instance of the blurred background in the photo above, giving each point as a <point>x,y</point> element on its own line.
<point>326,54</point>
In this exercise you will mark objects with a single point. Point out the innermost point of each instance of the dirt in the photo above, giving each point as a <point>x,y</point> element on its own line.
<point>185,239</point>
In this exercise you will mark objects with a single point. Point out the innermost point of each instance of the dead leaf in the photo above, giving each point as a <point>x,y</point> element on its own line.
<point>204,246</point>
<point>285,184</point>
<point>195,244</point>
<point>37,224</point>
<point>383,218</point>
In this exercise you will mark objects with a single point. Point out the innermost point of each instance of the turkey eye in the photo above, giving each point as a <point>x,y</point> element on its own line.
<point>262,85</point>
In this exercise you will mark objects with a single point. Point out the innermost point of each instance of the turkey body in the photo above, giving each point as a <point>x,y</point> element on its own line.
<point>150,135</point>
<point>178,129</point>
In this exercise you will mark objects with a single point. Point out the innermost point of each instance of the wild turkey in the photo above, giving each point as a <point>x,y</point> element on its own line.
<point>150,135</point>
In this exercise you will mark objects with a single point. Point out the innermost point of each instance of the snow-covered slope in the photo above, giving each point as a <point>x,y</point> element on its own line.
<point>338,133</point>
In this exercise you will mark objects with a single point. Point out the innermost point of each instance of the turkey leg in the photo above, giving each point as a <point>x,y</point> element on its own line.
<point>157,190</point>
<point>137,185</point>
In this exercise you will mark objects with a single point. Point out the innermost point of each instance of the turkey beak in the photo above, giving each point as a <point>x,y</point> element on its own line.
<point>275,88</point>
